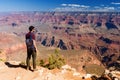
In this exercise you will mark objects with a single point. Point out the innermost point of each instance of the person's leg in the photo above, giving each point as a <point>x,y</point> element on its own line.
<point>28,59</point>
<point>34,59</point>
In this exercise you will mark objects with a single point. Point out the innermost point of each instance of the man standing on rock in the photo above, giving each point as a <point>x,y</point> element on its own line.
<point>31,47</point>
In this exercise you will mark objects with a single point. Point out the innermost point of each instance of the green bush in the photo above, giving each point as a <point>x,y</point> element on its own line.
<point>22,63</point>
<point>55,61</point>
<point>42,62</point>
<point>2,60</point>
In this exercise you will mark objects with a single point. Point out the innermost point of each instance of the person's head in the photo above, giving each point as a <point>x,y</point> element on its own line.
<point>31,28</point>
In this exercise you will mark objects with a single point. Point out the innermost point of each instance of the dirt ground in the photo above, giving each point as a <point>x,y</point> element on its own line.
<point>11,70</point>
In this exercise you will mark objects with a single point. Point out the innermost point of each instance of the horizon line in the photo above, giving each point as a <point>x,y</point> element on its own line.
<point>57,11</point>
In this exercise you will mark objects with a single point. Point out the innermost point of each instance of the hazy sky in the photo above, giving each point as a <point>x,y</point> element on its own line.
<point>59,5</point>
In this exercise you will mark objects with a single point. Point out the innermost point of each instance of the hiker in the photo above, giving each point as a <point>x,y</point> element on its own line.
<point>31,48</point>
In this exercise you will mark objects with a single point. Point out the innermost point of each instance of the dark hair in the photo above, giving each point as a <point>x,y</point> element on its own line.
<point>31,28</point>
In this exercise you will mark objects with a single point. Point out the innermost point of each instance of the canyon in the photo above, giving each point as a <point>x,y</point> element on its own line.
<point>82,37</point>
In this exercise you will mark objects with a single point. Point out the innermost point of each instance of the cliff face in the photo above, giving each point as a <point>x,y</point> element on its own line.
<point>105,20</point>
<point>101,45</point>
<point>10,44</point>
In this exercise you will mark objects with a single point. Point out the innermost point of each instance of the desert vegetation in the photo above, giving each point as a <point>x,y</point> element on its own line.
<point>55,60</point>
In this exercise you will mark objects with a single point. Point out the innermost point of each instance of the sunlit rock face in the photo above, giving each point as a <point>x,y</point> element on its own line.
<point>9,44</point>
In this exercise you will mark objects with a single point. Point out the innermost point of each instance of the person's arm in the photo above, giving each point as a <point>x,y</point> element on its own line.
<point>34,43</point>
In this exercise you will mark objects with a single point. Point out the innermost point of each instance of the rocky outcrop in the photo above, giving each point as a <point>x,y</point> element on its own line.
<point>65,73</point>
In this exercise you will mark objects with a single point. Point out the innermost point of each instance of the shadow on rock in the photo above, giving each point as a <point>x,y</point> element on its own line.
<point>15,65</point>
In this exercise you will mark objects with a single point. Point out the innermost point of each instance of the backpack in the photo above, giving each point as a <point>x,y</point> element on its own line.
<point>29,42</point>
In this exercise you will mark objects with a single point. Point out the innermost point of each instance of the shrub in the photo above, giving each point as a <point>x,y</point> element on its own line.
<point>22,63</point>
<point>54,61</point>
<point>2,60</point>
<point>42,62</point>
